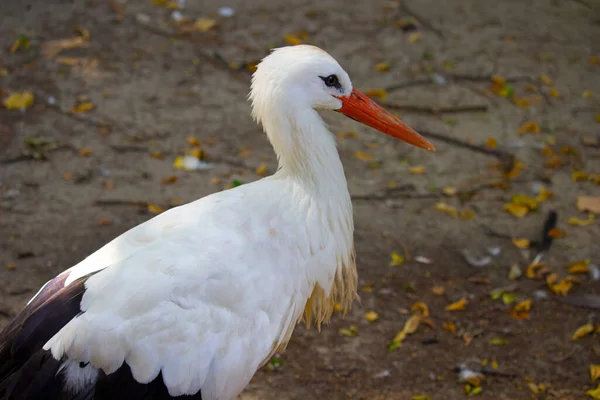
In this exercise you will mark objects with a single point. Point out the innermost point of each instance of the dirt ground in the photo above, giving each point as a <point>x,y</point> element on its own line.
<point>153,87</point>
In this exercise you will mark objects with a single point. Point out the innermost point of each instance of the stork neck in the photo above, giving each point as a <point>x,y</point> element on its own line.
<point>307,150</point>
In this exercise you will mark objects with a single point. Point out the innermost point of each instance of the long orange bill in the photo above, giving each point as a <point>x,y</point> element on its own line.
<point>361,108</point>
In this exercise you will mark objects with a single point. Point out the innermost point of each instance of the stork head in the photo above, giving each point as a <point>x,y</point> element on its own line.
<point>306,77</point>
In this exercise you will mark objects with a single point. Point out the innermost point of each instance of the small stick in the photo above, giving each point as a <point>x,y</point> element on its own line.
<point>456,78</point>
<point>438,110</point>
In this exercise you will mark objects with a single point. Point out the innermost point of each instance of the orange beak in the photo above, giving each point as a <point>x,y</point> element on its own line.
<point>362,109</point>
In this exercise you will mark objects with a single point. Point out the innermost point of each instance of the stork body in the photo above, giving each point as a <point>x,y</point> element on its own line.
<point>193,301</point>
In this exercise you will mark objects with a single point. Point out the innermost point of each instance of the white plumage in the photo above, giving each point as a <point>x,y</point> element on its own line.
<point>206,292</point>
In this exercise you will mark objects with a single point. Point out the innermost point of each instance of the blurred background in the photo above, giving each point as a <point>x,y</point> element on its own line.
<point>478,264</point>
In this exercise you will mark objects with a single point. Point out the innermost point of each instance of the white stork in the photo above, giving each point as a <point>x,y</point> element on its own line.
<point>192,302</point>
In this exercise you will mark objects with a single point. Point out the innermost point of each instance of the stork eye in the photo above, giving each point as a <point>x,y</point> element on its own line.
<point>331,81</point>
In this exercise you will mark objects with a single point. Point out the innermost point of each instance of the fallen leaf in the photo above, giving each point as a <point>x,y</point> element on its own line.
<point>262,169</point>
<point>204,24</point>
<point>382,67</point>
<point>343,135</point>
<point>154,209</point>
<point>515,272</point>
<point>594,393</point>
<point>579,176</point>
<point>466,213</point>
<point>562,287</point>
<point>587,203</point>
<point>22,42</point>
<point>363,156</point>
<point>421,397</point>
<point>467,339</point>
<point>529,127</point>
<point>515,171</point>
<point>104,221</point>
<point>410,326</point>
<point>396,259</point>
<point>169,179</point>
<point>85,152</point>
<point>193,141</point>
<point>518,210</point>
<point>521,243</point>
<point>438,290</point>
<point>546,79</point>
<point>521,310</point>
<point>11,265</point>
<point>594,372</point>
<point>421,307</point>
<point>157,155</point>
<point>418,170</point>
<point>292,40</point>
<point>372,316</point>
<point>531,271</point>
<point>449,191</point>
<point>579,267</point>
<point>587,94</point>
<point>19,101</point>
<point>414,37</point>
<point>554,92</point>
<point>581,222</point>
<point>582,331</point>
<point>498,341</point>
<point>491,143</point>
<point>445,208</point>
<point>82,108</point>
<point>381,93</point>
<point>51,48</point>
<point>350,332</point>
<point>449,327</point>
<point>457,306</point>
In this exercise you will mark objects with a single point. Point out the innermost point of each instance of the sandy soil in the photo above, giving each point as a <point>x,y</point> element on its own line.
<point>153,89</point>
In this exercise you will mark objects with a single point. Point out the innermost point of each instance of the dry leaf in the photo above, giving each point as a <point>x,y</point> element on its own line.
<point>292,40</point>
<point>594,393</point>
<point>396,259</point>
<point>579,176</point>
<point>414,37</point>
<point>410,326</point>
<point>53,47</point>
<point>19,101</point>
<point>381,93</point>
<point>350,332</point>
<point>546,79</point>
<point>103,221</point>
<point>515,171</point>
<point>262,169</point>
<point>157,155</point>
<point>363,156</point>
<point>579,267</point>
<point>554,92</point>
<point>594,372</point>
<point>449,191</point>
<point>498,341</point>
<point>382,67</point>
<point>445,208</point>
<point>421,307</point>
<point>562,287</point>
<point>343,135</point>
<point>531,273</point>
<point>518,210</point>
<point>521,243</point>
<point>193,141</point>
<point>169,179</point>
<point>582,331</point>
<point>529,127</point>
<point>449,327</point>
<point>85,152</point>
<point>438,290</point>
<point>418,170</point>
<point>457,306</point>
<point>587,203</point>
<point>466,213</point>
<point>204,24</point>
<point>372,316</point>
<point>587,94</point>
<point>11,265</point>
<point>491,143</point>
<point>82,107</point>
<point>521,310</point>
<point>581,222</point>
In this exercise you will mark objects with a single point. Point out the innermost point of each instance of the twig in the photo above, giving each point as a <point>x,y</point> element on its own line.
<point>121,202</point>
<point>426,24</point>
<point>128,149</point>
<point>507,159</point>
<point>438,110</point>
<point>456,78</point>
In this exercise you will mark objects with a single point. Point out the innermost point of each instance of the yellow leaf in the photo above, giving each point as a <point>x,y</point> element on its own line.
<point>103,221</point>
<point>554,92</point>
<point>579,267</point>
<point>594,393</point>
<point>85,152</point>
<point>381,93</point>
<point>582,331</point>
<point>498,341</point>
<point>421,397</point>
<point>579,176</point>
<point>550,279</point>
<point>169,179</point>
<point>343,135</point>
<point>291,39</point>
<point>587,203</point>
<point>515,171</point>
<point>414,37</point>
<point>546,79</point>
<point>438,290</point>
<point>466,213</point>
<point>456,306</point>
<point>498,80</point>
<point>529,127</point>
<point>449,191</point>
<point>82,108</point>
<point>422,307</point>
<point>521,199</point>
<point>154,209</point>
<point>449,327</point>
<point>445,208</point>
<point>597,118</point>
<point>418,170</point>
<point>193,141</point>
<point>19,101</point>
<point>204,24</point>
<point>81,31</point>
<point>518,210</point>
<point>491,143</point>
<point>372,316</point>
<point>11,265</point>
<point>531,273</point>
<point>544,195</point>
<point>410,326</point>
<point>396,259</point>
<point>521,243</point>
<point>363,156</point>
<point>594,372</point>
<point>523,306</point>
<point>594,60</point>
<point>350,332</point>
<point>382,67</point>
<point>262,170</point>
<point>562,287</point>
<point>581,222</point>
<point>587,94</point>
